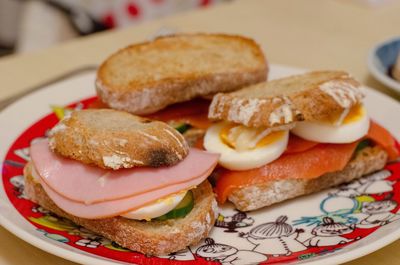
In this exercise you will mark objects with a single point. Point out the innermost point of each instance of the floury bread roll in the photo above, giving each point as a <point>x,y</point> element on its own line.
<point>313,96</point>
<point>113,139</point>
<point>153,210</point>
<point>293,136</point>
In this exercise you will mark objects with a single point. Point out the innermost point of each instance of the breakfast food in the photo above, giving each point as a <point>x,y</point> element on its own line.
<point>101,137</point>
<point>189,118</point>
<point>173,78</point>
<point>293,136</point>
<point>314,96</point>
<point>137,181</point>
<point>130,179</point>
<point>146,77</point>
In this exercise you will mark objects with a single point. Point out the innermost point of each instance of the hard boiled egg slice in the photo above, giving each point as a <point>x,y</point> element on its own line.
<point>244,148</point>
<point>156,209</point>
<point>352,127</point>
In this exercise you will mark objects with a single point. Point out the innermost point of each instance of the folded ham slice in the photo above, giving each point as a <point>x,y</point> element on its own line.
<point>115,207</point>
<point>88,184</point>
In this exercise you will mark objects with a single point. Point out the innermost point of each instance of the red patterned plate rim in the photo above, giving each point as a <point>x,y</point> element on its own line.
<point>293,236</point>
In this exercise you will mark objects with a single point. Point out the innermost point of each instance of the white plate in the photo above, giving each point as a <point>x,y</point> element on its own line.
<point>288,222</point>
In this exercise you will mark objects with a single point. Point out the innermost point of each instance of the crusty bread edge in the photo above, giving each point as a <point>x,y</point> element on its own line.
<point>152,98</point>
<point>137,235</point>
<point>257,196</point>
<point>313,104</point>
<point>78,140</point>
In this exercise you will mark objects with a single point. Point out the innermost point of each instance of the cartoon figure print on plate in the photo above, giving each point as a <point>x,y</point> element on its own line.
<point>226,254</point>
<point>275,238</point>
<point>330,233</point>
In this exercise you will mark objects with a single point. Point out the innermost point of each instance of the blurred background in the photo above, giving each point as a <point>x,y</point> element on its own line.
<point>29,25</point>
<point>32,25</point>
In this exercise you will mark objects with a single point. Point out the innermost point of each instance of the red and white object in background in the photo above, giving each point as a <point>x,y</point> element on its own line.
<point>128,12</point>
<point>71,18</point>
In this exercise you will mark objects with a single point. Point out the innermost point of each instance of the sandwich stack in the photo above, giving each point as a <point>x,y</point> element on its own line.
<point>207,111</point>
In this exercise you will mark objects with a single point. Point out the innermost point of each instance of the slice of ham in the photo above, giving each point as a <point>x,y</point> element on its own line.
<point>88,184</point>
<point>115,207</point>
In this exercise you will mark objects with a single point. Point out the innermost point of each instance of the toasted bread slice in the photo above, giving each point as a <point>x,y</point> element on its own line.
<point>314,96</point>
<point>257,196</point>
<point>115,139</point>
<point>152,238</point>
<point>149,76</point>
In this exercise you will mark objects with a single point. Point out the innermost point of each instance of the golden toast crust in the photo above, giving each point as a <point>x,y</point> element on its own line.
<point>146,77</point>
<point>115,139</point>
<point>314,96</point>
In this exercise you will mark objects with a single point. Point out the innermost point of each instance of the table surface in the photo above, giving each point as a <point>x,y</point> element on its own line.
<point>314,34</point>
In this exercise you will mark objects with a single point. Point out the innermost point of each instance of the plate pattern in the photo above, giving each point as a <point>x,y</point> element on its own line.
<point>343,216</point>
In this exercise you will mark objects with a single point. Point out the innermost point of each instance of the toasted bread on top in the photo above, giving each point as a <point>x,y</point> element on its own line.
<point>152,238</point>
<point>115,139</point>
<point>313,96</point>
<point>146,77</point>
<point>256,196</point>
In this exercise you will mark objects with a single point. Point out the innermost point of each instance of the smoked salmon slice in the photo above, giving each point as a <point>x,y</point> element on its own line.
<point>193,112</point>
<point>297,144</point>
<point>302,160</point>
<point>382,137</point>
<point>97,104</point>
<point>320,159</point>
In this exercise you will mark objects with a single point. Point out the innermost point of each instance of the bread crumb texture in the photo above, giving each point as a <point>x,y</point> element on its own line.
<point>314,96</point>
<point>146,77</point>
<point>114,139</point>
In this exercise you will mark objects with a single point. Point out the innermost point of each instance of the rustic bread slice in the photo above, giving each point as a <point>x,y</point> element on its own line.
<point>257,196</point>
<point>312,96</point>
<point>152,238</point>
<point>115,139</point>
<point>146,77</point>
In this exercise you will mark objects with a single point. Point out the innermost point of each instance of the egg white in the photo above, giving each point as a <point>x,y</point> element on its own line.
<point>156,209</point>
<point>242,160</point>
<point>330,133</point>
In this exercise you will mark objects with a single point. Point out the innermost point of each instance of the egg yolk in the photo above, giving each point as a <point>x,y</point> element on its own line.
<point>169,200</point>
<point>245,138</point>
<point>354,114</point>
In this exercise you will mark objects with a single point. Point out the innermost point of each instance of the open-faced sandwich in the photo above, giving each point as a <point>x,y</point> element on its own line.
<point>172,78</point>
<point>293,136</point>
<point>130,179</point>
<point>136,181</point>
<point>146,77</point>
